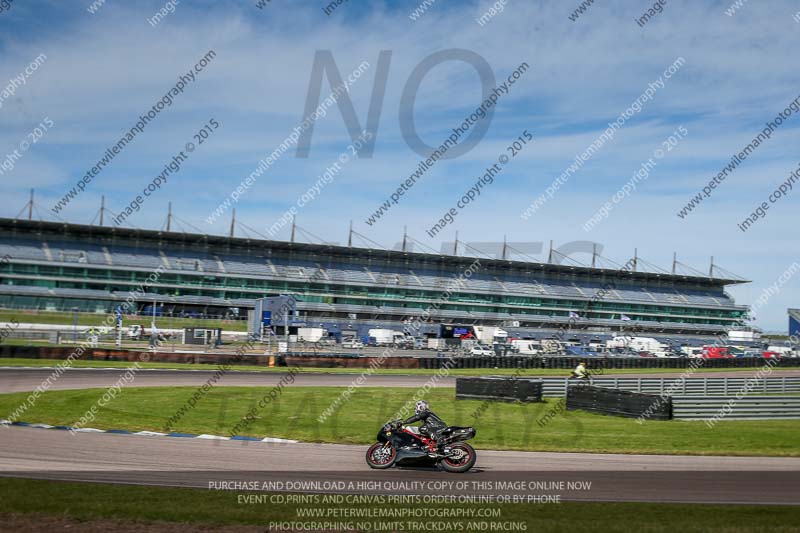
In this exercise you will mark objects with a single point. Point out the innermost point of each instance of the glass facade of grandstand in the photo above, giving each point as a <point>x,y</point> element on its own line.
<point>51,266</point>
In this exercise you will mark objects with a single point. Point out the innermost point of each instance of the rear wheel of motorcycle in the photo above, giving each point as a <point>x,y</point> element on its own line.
<point>464,462</point>
<point>381,456</point>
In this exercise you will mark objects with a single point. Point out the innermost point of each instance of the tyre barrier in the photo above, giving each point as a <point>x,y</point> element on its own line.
<point>500,389</point>
<point>618,402</point>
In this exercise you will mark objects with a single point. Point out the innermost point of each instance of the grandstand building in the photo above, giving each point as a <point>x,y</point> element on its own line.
<point>60,266</point>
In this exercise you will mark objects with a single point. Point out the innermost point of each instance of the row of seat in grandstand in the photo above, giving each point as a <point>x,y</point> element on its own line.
<point>34,291</point>
<point>279,268</point>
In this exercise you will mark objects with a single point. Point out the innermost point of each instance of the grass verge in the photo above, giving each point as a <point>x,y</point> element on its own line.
<point>500,426</point>
<point>156,508</point>
<point>80,363</point>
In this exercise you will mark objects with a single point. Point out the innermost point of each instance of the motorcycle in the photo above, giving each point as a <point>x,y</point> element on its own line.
<point>405,446</point>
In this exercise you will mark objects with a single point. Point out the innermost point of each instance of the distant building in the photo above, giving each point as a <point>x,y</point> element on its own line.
<point>794,322</point>
<point>61,266</point>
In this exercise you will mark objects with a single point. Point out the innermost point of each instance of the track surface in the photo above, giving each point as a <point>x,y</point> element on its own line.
<point>18,380</point>
<point>27,379</point>
<point>53,454</point>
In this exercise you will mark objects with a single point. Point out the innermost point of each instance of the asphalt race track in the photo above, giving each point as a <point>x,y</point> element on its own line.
<point>14,379</point>
<point>57,454</point>
<point>19,380</point>
<point>136,459</point>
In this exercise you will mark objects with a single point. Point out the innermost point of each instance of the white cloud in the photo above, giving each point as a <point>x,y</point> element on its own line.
<point>106,69</point>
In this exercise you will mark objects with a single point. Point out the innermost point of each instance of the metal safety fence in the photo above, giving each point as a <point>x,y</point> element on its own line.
<point>557,386</point>
<point>735,408</point>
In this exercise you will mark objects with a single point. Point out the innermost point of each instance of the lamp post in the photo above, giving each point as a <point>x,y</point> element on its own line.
<point>153,334</point>
<point>75,325</point>
<point>119,326</point>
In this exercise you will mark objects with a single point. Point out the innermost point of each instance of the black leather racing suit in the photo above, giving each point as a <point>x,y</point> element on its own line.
<point>431,424</point>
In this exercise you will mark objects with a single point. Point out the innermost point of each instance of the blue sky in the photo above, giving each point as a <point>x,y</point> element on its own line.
<point>105,69</point>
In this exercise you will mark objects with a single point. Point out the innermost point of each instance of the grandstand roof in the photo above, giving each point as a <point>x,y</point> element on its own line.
<point>9,226</point>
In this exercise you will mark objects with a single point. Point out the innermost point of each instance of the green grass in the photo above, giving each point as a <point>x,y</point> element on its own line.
<point>80,363</point>
<point>159,506</point>
<point>98,319</point>
<point>502,426</point>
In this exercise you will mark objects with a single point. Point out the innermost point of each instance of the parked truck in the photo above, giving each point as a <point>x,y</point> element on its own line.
<point>386,337</point>
<point>436,344</point>
<point>490,334</point>
<point>311,334</point>
<point>526,346</point>
<point>639,344</point>
<point>716,352</point>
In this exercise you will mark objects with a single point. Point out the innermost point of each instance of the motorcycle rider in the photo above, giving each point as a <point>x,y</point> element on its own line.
<point>580,371</point>
<point>431,424</point>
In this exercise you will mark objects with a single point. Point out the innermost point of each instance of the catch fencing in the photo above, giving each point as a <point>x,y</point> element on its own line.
<point>734,408</point>
<point>557,386</point>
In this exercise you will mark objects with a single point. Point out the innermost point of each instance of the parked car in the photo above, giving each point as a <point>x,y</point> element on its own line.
<point>482,351</point>
<point>352,344</point>
<point>327,341</point>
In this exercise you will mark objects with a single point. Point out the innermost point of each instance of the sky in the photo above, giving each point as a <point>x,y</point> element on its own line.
<point>102,65</point>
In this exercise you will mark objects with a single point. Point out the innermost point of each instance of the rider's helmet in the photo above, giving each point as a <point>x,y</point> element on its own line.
<point>421,406</point>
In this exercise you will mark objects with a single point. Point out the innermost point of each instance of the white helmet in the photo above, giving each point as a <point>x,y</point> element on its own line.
<point>421,406</point>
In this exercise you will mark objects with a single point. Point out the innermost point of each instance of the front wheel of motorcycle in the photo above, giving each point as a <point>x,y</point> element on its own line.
<point>381,455</point>
<point>461,458</point>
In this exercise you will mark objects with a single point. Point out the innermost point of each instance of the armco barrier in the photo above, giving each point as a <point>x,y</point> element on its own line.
<point>113,354</point>
<point>308,361</point>
<point>692,386</point>
<point>618,402</point>
<point>744,408</point>
<point>499,389</point>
